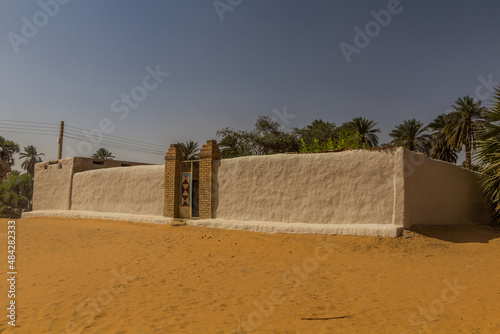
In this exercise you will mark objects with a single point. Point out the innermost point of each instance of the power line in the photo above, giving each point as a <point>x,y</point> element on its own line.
<point>124,139</point>
<point>118,145</point>
<point>73,129</point>
<point>104,139</point>
<point>7,120</point>
<point>26,128</point>
<point>75,133</point>
<point>30,133</point>
<point>29,126</point>
<point>144,150</point>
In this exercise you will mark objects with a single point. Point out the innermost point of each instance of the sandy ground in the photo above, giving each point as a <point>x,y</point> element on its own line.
<point>97,276</point>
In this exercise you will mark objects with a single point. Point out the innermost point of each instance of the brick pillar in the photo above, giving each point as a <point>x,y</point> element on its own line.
<point>208,154</point>
<point>171,191</point>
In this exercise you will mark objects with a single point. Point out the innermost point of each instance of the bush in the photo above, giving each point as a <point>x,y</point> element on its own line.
<point>346,139</point>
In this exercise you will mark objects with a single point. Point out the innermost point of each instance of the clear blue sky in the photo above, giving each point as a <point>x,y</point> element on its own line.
<point>263,55</point>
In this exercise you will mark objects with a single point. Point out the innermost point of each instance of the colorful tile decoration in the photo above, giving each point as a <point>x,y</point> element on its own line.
<point>185,189</point>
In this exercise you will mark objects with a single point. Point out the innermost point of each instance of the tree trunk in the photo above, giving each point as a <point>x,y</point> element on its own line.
<point>447,155</point>
<point>468,159</point>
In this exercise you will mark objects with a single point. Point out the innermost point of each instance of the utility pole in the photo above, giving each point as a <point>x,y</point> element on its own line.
<point>60,140</point>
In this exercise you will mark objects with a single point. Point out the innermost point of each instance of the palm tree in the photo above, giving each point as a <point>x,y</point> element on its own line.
<point>16,193</point>
<point>411,135</point>
<point>103,153</point>
<point>189,150</point>
<point>488,156</point>
<point>463,126</point>
<point>31,157</point>
<point>440,147</point>
<point>365,128</point>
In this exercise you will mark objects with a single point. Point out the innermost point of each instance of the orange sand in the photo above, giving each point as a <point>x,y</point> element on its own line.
<point>97,276</point>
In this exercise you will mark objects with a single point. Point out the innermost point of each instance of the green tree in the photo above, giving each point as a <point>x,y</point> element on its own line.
<point>441,149</point>
<point>463,126</point>
<point>16,193</point>
<point>366,129</point>
<point>4,169</point>
<point>266,138</point>
<point>488,155</point>
<point>317,130</point>
<point>346,139</point>
<point>233,144</point>
<point>189,150</point>
<point>411,135</point>
<point>103,153</point>
<point>31,157</point>
<point>7,150</point>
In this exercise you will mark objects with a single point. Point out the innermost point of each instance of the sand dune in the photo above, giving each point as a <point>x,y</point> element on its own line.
<point>97,276</point>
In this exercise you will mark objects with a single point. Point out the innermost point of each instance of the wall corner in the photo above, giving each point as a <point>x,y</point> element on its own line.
<point>399,214</point>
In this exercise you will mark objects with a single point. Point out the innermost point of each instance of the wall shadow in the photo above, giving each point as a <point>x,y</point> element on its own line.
<point>459,233</point>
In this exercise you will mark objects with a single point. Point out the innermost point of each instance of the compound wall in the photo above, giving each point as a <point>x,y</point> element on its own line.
<point>387,187</point>
<point>52,185</point>
<point>350,187</point>
<point>437,192</point>
<point>53,180</point>
<point>374,192</point>
<point>134,190</point>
